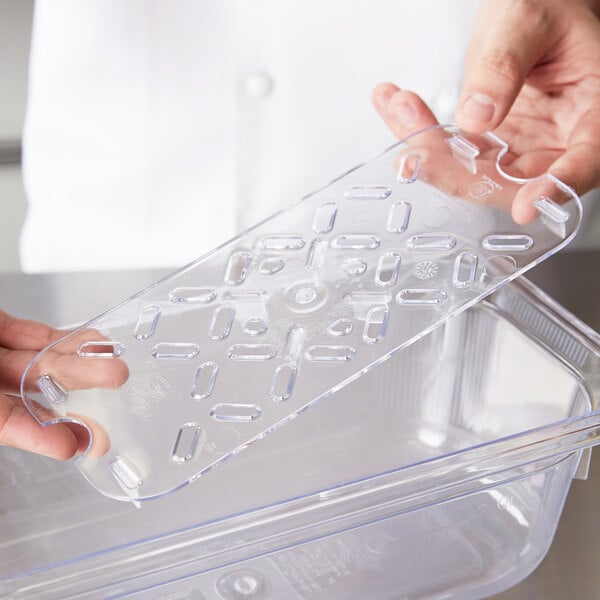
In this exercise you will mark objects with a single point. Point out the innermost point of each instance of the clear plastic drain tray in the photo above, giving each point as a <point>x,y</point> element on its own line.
<point>212,358</point>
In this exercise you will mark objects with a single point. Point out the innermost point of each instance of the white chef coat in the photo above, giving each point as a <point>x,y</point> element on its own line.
<point>157,129</point>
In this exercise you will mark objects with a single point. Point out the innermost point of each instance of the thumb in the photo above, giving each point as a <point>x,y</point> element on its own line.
<point>507,44</point>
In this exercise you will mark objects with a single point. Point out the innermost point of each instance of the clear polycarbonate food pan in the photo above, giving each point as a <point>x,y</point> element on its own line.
<point>439,474</point>
<point>211,359</point>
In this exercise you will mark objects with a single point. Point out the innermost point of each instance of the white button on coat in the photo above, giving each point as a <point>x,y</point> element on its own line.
<point>258,85</point>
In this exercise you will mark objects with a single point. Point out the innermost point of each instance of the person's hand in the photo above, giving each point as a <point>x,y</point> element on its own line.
<point>532,74</point>
<point>20,341</point>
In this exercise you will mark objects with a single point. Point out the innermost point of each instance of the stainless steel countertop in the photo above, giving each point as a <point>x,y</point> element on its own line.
<point>573,278</point>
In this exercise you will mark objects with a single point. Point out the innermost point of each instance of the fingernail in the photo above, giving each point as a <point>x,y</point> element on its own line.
<point>479,107</point>
<point>406,115</point>
<point>383,99</point>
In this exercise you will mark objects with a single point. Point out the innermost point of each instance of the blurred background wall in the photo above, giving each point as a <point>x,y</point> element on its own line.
<point>15,35</point>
